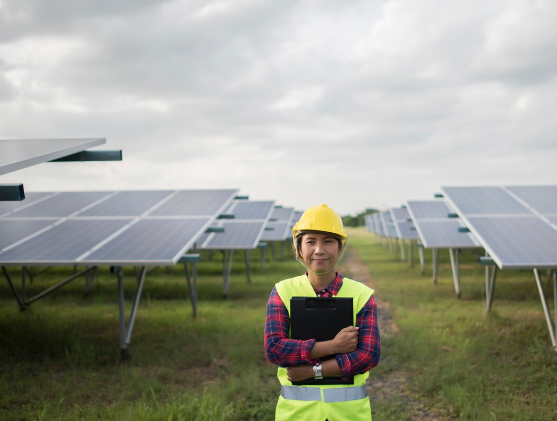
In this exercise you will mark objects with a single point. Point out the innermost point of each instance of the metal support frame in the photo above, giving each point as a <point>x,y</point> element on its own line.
<point>21,298</point>
<point>12,192</point>
<point>126,331</point>
<point>410,253</point>
<point>435,253</point>
<point>421,254</point>
<point>402,254</point>
<point>489,286</point>
<point>227,259</point>
<point>455,266</point>
<point>263,252</point>
<point>192,277</point>
<point>551,325</point>
<point>89,279</point>
<point>247,259</point>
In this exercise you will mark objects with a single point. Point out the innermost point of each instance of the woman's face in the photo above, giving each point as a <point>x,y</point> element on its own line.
<point>320,252</point>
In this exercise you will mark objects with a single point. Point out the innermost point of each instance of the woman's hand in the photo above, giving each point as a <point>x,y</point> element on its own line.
<point>299,373</point>
<point>346,340</point>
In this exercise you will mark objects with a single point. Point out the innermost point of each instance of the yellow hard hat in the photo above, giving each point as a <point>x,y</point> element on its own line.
<point>320,218</point>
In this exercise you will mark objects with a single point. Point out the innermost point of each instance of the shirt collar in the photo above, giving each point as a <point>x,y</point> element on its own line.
<point>334,286</point>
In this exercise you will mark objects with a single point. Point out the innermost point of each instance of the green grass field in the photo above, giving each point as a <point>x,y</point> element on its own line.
<point>60,358</point>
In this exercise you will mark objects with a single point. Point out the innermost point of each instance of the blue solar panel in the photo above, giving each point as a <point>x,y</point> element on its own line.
<point>543,199</point>
<point>435,228</point>
<point>62,204</point>
<point>150,241</point>
<point>127,203</point>
<point>484,201</point>
<point>517,242</point>
<point>63,243</point>
<point>12,207</point>
<point>252,210</point>
<point>195,203</point>
<point>236,235</point>
<point>282,214</point>
<point>12,231</point>
<point>279,232</point>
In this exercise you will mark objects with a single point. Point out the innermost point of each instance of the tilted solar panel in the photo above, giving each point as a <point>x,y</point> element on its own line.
<point>542,199</point>
<point>484,201</point>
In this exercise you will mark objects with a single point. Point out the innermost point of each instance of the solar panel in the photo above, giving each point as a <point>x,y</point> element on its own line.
<point>127,203</point>
<point>282,214</point>
<point>251,209</point>
<point>157,241</point>
<point>241,236</point>
<point>542,199</point>
<point>517,237</point>
<point>279,231</point>
<point>22,153</point>
<point>108,227</point>
<point>60,205</point>
<point>195,203</point>
<point>405,229</point>
<point>242,232</point>
<point>63,243</point>
<point>518,242</point>
<point>435,228</point>
<point>484,201</point>
<point>30,198</point>
<point>389,229</point>
<point>378,224</point>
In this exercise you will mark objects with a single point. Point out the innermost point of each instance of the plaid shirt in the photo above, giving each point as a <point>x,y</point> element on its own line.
<point>287,352</point>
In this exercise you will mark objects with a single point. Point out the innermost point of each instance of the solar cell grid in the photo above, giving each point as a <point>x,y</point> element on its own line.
<point>12,231</point>
<point>245,235</point>
<point>484,201</point>
<point>428,209</point>
<point>63,243</point>
<point>195,202</point>
<point>278,233</point>
<point>30,198</point>
<point>150,240</point>
<point>282,214</point>
<point>518,242</point>
<point>252,210</point>
<point>127,203</point>
<point>543,199</point>
<point>62,204</point>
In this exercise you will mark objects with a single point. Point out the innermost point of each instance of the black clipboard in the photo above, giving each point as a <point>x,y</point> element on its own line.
<point>321,319</point>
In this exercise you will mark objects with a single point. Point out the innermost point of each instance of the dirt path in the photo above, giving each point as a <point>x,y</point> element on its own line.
<point>387,387</point>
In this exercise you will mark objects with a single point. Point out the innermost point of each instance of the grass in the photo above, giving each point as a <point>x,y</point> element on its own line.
<point>60,358</point>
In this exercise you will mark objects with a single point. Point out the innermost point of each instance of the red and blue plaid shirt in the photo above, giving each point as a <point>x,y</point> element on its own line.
<point>287,352</point>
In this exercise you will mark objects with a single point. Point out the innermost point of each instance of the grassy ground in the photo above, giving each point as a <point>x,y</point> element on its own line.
<point>59,360</point>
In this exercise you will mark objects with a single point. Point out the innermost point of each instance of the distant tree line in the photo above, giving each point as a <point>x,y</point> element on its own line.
<point>358,220</point>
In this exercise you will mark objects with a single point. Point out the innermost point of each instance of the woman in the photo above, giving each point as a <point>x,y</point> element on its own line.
<point>319,243</point>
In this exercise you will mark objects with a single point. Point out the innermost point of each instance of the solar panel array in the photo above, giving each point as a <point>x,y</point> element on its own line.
<point>515,224</point>
<point>388,225</point>
<point>279,224</point>
<point>244,231</point>
<point>435,228</point>
<point>110,228</point>
<point>403,224</point>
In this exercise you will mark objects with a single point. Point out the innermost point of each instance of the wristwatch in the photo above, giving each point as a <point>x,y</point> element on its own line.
<point>318,372</point>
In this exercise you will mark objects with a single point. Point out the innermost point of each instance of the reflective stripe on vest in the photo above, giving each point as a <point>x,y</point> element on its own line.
<point>338,394</point>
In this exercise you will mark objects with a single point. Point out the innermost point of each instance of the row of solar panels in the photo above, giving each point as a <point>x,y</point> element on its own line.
<point>516,225</point>
<point>134,227</point>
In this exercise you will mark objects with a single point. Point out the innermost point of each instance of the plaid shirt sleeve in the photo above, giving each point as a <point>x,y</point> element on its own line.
<point>367,355</point>
<point>279,349</point>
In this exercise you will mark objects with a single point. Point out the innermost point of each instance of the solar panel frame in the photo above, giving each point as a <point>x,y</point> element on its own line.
<point>404,228</point>
<point>389,229</point>
<point>18,154</point>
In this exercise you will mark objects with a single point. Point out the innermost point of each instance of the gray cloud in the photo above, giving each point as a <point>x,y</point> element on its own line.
<point>363,104</point>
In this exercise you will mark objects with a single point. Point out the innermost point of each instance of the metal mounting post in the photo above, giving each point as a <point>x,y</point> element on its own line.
<point>402,255</point>
<point>550,325</point>
<point>248,265</point>
<point>455,266</point>
<point>435,264</point>
<point>410,253</point>
<point>489,286</point>
<point>226,270</point>
<point>421,253</point>
<point>126,332</point>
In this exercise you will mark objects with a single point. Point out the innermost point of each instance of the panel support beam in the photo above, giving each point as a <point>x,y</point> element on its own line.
<point>551,325</point>
<point>421,253</point>
<point>489,286</point>
<point>91,156</point>
<point>435,253</point>
<point>455,265</point>
<point>191,277</point>
<point>12,192</point>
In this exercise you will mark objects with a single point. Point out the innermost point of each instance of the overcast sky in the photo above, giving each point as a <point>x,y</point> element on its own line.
<point>352,103</point>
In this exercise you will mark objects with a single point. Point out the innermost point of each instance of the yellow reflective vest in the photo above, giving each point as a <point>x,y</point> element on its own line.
<point>334,402</point>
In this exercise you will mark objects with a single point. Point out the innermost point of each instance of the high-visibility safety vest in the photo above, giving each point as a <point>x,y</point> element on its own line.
<point>334,402</point>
